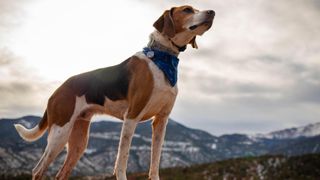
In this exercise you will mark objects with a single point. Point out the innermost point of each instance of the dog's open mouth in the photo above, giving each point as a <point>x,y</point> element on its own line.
<point>207,23</point>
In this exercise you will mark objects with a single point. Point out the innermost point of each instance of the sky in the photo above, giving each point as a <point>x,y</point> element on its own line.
<point>256,70</point>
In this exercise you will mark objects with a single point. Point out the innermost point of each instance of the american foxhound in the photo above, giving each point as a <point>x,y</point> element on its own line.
<point>140,88</point>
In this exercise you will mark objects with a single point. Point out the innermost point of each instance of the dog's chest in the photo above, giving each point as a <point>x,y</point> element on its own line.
<point>163,93</point>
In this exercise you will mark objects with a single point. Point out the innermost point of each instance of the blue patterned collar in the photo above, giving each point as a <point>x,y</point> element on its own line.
<point>166,62</point>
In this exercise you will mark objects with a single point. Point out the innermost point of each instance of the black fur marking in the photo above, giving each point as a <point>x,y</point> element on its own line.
<point>111,82</point>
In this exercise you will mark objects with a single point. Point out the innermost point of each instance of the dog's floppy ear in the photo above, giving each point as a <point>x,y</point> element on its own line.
<point>193,42</point>
<point>165,24</point>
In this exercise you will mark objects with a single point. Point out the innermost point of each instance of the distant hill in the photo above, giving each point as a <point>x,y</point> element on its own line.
<point>183,147</point>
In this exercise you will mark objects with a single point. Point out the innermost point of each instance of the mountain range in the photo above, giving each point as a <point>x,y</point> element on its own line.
<point>183,146</point>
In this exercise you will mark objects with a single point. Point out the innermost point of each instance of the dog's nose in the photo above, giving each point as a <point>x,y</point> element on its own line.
<point>211,12</point>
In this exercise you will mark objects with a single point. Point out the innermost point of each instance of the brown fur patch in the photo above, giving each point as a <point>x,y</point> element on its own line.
<point>140,87</point>
<point>165,24</point>
<point>116,108</point>
<point>44,121</point>
<point>61,106</point>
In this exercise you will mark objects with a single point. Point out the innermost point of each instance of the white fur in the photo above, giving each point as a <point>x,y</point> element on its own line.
<point>29,134</point>
<point>164,40</point>
<point>196,19</point>
<point>157,36</point>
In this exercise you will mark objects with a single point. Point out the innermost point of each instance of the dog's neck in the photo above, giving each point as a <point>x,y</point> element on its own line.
<point>162,43</point>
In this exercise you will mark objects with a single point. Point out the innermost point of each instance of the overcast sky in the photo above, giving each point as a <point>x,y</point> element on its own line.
<point>256,70</point>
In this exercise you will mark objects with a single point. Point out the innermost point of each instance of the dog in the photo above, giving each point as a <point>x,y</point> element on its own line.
<point>140,88</point>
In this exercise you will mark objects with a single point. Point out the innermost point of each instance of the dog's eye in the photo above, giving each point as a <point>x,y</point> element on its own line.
<point>188,10</point>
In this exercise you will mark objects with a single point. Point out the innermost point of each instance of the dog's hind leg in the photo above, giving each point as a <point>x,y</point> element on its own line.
<point>77,144</point>
<point>57,139</point>
<point>58,135</point>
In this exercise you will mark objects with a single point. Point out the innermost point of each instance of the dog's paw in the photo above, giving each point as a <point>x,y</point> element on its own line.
<point>121,176</point>
<point>154,177</point>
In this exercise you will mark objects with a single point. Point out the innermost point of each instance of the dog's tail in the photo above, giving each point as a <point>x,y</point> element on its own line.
<point>34,133</point>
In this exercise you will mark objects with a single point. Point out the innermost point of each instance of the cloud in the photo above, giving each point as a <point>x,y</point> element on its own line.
<point>6,57</point>
<point>22,92</point>
<point>11,16</point>
<point>256,70</point>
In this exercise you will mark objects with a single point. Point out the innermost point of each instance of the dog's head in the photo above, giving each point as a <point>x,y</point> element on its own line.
<point>182,24</point>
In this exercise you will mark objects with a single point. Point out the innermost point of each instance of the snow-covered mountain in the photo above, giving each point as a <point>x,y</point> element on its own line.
<point>292,133</point>
<point>183,146</point>
<point>305,131</point>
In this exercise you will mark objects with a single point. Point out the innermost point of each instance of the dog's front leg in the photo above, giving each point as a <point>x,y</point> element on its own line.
<point>158,132</point>
<point>127,131</point>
